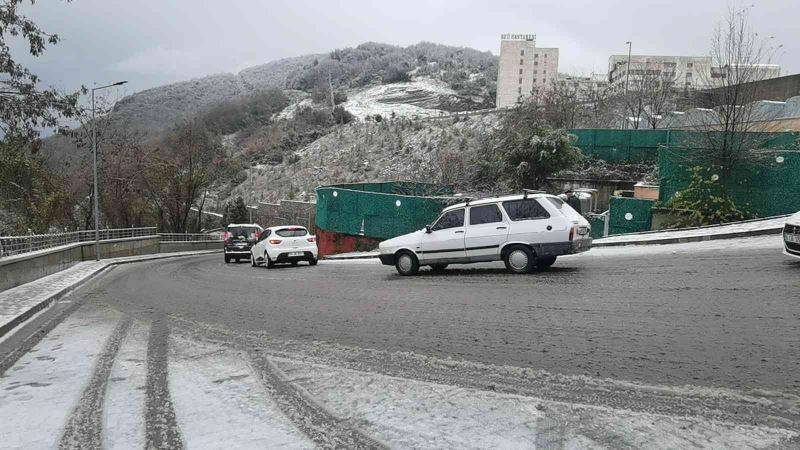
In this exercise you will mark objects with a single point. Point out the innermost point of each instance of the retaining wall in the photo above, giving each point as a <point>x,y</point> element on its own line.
<point>21,269</point>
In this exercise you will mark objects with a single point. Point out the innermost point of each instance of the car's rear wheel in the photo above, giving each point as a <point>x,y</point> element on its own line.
<point>407,263</point>
<point>545,262</point>
<point>312,261</point>
<point>252,260</point>
<point>268,262</point>
<point>519,259</point>
<point>438,267</point>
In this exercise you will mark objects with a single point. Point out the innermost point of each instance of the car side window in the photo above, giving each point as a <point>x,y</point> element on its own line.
<point>526,209</point>
<point>479,215</point>
<point>450,219</point>
<point>264,235</point>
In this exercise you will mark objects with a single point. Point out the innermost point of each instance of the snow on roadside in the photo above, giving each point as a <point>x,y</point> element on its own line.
<point>38,394</point>
<point>414,414</point>
<point>220,403</point>
<point>123,419</point>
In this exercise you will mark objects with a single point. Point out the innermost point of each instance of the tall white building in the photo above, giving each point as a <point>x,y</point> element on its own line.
<point>523,68</point>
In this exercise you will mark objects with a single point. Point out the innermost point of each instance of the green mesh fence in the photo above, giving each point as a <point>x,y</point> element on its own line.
<point>376,207</point>
<point>629,215</point>
<point>597,224</point>
<point>768,188</point>
<point>632,146</point>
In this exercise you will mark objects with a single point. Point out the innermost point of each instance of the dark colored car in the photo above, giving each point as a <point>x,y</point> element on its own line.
<point>238,239</point>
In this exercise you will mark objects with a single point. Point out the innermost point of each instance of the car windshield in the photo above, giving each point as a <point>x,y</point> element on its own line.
<point>243,233</point>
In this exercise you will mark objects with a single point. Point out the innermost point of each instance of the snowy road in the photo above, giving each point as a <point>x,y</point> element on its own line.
<point>677,346</point>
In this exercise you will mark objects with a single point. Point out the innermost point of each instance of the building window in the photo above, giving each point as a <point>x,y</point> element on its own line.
<point>689,65</point>
<point>519,91</point>
<point>535,55</point>
<point>534,80</point>
<point>520,71</point>
<point>544,71</point>
<point>521,61</point>
<point>545,55</point>
<point>522,52</point>
<point>535,72</point>
<point>536,63</point>
<point>520,80</point>
<point>688,75</point>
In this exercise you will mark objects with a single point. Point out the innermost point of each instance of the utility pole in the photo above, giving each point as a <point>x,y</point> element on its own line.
<point>96,204</point>
<point>330,87</point>
<point>627,77</point>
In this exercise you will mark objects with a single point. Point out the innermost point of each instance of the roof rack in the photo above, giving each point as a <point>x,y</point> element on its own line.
<point>525,192</point>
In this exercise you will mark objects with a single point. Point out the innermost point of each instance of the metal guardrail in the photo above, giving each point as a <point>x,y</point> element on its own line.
<point>18,245</point>
<point>189,237</point>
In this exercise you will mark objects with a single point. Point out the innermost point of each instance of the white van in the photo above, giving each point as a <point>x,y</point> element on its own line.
<point>525,231</point>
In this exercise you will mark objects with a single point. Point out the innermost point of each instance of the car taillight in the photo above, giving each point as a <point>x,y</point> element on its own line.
<point>257,234</point>
<point>275,241</point>
<point>312,239</point>
<point>227,237</point>
<point>571,233</point>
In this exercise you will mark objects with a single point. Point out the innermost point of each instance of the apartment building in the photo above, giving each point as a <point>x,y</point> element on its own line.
<point>523,68</point>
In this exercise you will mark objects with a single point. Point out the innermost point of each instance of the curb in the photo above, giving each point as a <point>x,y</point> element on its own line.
<point>340,258</point>
<point>684,239</point>
<point>22,318</point>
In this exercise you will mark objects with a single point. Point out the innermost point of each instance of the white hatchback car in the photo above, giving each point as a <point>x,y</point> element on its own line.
<point>284,244</point>
<point>527,232</point>
<point>791,236</point>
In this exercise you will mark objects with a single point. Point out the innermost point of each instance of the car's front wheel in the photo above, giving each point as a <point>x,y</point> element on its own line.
<point>407,263</point>
<point>519,259</point>
<point>312,262</point>
<point>227,259</point>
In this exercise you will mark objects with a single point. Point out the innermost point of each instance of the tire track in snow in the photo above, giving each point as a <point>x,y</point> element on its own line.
<point>161,426</point>
<point>85,425</point>
<point>322,427</point>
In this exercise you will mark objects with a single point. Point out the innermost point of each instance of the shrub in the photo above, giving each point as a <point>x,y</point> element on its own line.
<point>342,116</point>
<point>706,201</point>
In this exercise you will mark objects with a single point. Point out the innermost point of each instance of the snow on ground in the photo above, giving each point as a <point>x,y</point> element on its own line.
<point>123,419</point>
<point>39,392</point>
<point>409,99</point>
<point>414,414</point>
<point>740,244</point>
<point>220,403</point>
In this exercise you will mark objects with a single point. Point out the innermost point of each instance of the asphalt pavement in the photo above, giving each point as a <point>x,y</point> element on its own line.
<point>681,345</point>
<point>703,314</point>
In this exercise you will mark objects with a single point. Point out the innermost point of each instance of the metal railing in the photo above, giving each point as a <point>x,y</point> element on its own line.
<point>17,245</point>
<point>189,237</point>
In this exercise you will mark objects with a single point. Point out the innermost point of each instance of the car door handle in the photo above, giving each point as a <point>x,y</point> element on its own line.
<point>460,231</point>
<point>501,228</point>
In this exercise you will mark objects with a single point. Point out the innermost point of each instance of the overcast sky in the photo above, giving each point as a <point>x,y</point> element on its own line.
<point>154,42</point>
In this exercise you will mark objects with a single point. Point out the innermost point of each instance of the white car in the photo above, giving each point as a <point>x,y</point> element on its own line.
<point>791,236</point>
<point>284,244</point>
<point>527,232</point>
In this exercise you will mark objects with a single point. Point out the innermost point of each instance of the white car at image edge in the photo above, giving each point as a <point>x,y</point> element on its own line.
<point>527,232</point>
<point>791,236</point>
<point>284,244</point>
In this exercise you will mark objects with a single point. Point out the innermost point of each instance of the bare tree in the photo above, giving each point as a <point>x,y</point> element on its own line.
<point>734,130</point>
<point>652,92</point>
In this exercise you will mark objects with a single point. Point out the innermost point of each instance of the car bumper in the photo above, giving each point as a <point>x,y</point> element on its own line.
<point>282,254</point>
<point>563,248</point>
<point>387,259</point>
<point>791,249</point>
<point>238,252</point>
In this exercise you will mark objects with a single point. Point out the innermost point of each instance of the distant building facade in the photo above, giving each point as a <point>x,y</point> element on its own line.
<point>687,71</point>
<point>523,68</point>
<point>690,72</point>
<point>585,87</point>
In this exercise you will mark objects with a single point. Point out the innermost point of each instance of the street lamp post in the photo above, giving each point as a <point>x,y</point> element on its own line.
<point>95,206</point>
<point>627,76</point>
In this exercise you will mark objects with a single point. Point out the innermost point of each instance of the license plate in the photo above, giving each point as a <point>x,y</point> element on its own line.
<point>793,238</point>
<point>296,254</point>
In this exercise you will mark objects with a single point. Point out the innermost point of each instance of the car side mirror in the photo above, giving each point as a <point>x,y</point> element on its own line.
<point>428,229</point>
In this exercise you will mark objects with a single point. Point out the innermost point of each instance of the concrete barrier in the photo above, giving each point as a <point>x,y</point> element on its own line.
<point>21,269</point>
